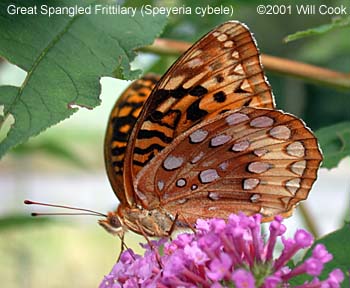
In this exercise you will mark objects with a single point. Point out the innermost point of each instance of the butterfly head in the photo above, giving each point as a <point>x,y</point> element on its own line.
<point>112,224</point>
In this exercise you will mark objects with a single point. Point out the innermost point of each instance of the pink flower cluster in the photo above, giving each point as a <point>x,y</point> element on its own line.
<point>220,254</point>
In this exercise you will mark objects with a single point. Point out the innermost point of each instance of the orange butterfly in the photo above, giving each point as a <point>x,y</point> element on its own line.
<point>205,141</point>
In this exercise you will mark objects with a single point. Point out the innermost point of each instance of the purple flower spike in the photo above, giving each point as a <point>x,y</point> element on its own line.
<point>220,267</point>
<point>177,265</point>
<point>202,225</point>
<point>303,238</point>
<point>272,282</point>
<point>311,267</point>
<point>321,253</point>
<point>195,254</point>
<point>314,267</point>
<point>243,279</point>
<point>276,229</point>
<point>220,254</point>
<point>334,279</point>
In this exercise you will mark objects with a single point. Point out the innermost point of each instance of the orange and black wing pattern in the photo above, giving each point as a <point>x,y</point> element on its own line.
<point>218,73</point>
<point>120,124</point>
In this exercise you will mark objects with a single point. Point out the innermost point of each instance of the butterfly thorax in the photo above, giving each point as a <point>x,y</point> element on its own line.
<point>156,222</point>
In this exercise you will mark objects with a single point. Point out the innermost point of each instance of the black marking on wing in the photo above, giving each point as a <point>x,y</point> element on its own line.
<point>118,151</point>
<point>160,96</point>
<point>178,93</point>
<point>120,122</point>
<point>219,78</point>
<point>247,103</point>
<point>157,117</point>
<point>198,91</point>
<point>148,134</point>
<point>118,164</point>
<point>240,90</point>
<point>150,148</point>
<point>220,97</point>
<point>195,113</point>
<point>141,164</point>
<point>224,111</point>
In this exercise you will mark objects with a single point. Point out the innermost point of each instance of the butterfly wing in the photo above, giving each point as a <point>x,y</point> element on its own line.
<point>121,121</point>
<point>252,160</point>
<point>221,71</point>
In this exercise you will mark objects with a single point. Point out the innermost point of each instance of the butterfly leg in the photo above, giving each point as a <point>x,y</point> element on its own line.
<point>123,247</point>
<point>150,244</point>
<point>122,244</point>
<point>187,223</point>
<point>171,230</point>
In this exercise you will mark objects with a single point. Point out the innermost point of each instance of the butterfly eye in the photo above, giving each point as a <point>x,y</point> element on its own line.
<point>114,221</point>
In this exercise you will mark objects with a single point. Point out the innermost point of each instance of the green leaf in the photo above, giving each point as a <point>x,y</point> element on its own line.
<point>337,22</point>
<point>64,57</point>
<point>335,143</point>
<point>336,243</point>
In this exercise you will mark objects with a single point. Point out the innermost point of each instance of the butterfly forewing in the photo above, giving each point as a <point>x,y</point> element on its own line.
<point>121,121</point>
<point>221,71</point>
<point>251,160</point>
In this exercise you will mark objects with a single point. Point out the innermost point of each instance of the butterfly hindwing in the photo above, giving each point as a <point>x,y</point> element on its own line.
<point>121,121</point>
<point>221,71</point>
<point>252,160</point>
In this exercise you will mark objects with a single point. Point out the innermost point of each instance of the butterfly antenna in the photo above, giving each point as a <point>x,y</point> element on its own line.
<point>85,211</point>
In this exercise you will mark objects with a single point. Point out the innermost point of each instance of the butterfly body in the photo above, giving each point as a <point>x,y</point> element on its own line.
<point>205,141</point>
<point>154,223</point>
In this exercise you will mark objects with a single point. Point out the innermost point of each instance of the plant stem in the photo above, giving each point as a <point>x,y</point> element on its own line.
<point>308,220</point>
<point>307,72</point>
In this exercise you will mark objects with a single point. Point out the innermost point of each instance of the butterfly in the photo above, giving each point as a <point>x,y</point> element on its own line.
<point>205,140</point>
